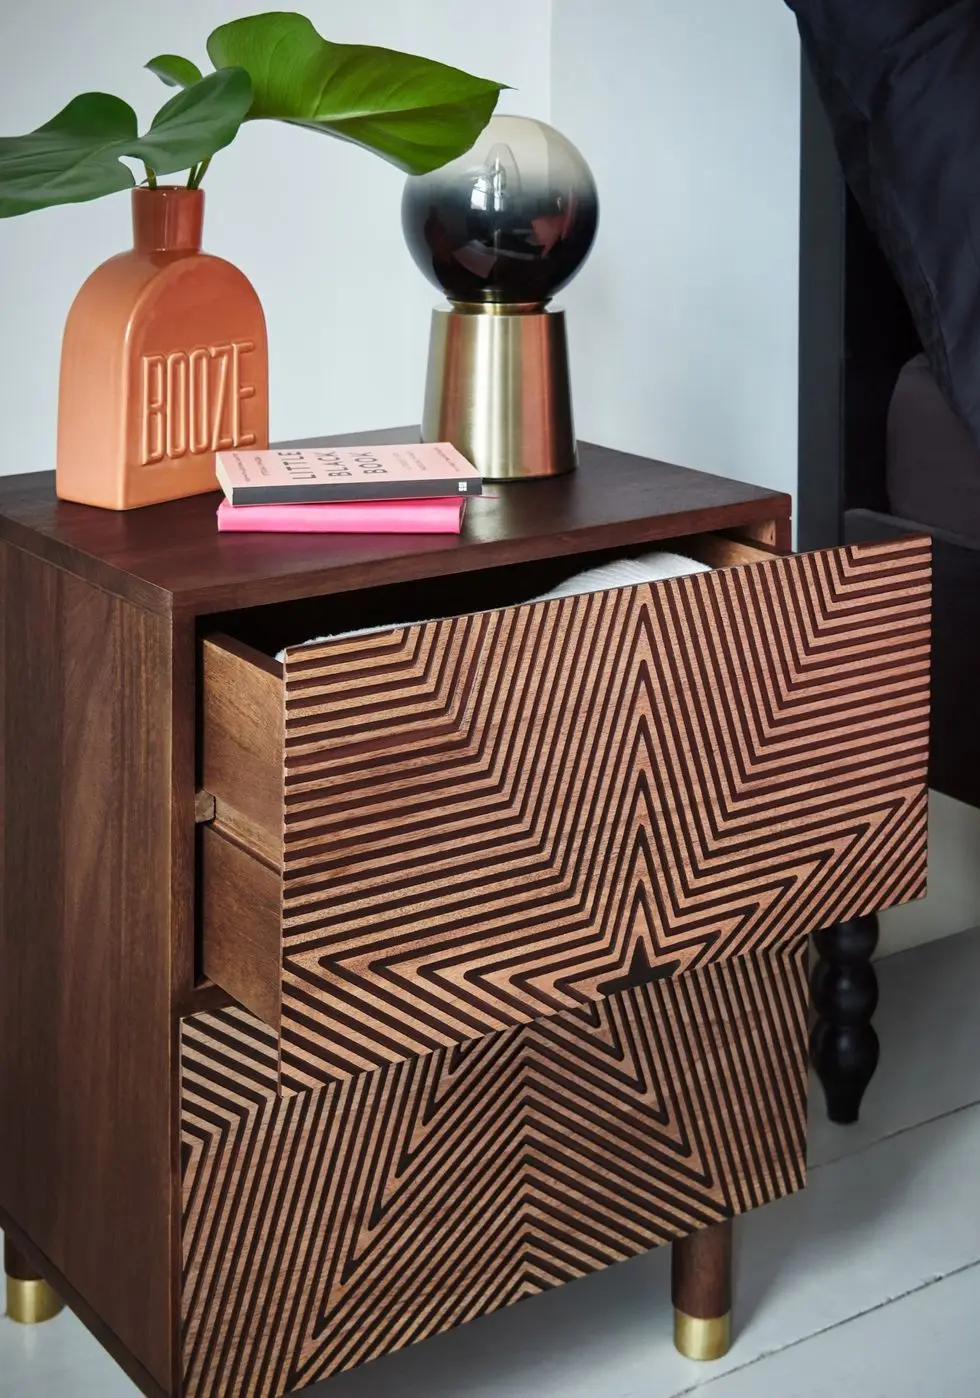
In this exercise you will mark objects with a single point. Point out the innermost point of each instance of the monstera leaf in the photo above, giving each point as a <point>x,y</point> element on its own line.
<point>411,111</point>
<point>414,112</point>
<point>76,155</point>
<point>175,71</point>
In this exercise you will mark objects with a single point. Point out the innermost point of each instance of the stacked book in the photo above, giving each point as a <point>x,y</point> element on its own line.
<point>414,489</point>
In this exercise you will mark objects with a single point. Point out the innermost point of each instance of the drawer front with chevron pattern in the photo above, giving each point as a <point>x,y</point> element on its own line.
<point>326,1227</point>
<point>507,815</point>
<point>501,816</point>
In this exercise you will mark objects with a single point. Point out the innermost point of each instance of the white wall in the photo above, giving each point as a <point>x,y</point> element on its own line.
<point>313,222</point>
<point>683,324</point>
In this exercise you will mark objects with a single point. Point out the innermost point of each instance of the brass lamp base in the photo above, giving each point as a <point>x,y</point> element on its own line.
<point>498,389</point>
<point>31,1302</point>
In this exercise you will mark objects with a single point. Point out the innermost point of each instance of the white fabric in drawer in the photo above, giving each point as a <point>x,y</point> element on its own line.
<point>624,572</point>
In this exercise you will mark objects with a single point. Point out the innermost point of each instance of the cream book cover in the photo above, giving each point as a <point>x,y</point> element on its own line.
<point>313,475</point>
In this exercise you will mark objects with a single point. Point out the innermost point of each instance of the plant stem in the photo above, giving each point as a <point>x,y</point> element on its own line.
<point>151,177</point>
<point>198,173</point>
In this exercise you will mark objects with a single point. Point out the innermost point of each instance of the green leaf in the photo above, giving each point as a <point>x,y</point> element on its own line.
<point>72,157</point>
<point>76,155</point>
<point>196,122</point>
<point>175,71</point>
<point>414,112</point>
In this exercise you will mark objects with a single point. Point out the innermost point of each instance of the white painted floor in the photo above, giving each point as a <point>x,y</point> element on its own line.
<point>866,1285</point>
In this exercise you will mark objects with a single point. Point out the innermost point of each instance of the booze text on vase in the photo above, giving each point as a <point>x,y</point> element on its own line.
<point>191,401</point>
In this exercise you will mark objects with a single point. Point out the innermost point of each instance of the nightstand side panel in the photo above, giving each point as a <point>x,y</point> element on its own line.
<point>86,1167</point>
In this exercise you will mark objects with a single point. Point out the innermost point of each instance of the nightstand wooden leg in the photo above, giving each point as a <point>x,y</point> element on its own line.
<point>29,1298</point>
<point>701,1290</point>
<point>844,987</point>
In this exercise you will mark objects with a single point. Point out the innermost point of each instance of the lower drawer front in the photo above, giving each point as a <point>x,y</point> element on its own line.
<point>324,1228</point>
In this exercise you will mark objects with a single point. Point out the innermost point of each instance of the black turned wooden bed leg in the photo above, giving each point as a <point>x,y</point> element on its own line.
<point>844,986</point>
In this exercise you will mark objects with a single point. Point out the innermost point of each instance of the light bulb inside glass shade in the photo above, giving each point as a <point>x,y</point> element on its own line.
<point>509,222</point>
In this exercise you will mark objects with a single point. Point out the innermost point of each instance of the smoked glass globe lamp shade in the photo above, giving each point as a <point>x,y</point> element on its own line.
<point>508,223</point>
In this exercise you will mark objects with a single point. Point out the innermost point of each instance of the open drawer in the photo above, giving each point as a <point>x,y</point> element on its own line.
<point>431,833</point>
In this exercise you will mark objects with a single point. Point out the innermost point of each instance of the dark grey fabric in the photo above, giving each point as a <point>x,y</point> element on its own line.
<point>933,464</point>
<point>900,80</point>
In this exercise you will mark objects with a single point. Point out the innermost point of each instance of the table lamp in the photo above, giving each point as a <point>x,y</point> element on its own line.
<point>500,230</point>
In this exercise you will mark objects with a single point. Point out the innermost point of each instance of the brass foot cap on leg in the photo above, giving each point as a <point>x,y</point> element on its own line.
<point>31,1302</point>
<point>702,1339</point>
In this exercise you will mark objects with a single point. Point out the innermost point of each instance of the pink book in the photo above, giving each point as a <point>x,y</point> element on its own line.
<point>437,516</point>
<point>317,475</point>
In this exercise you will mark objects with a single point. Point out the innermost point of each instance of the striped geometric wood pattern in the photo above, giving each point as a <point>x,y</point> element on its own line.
<point>496,817</point>
<point>324,1228</point>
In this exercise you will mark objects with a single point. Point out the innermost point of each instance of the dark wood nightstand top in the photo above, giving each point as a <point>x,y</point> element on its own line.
<point>170,558</point>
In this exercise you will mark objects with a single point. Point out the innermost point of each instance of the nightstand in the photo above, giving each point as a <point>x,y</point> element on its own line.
<point>347,996</point>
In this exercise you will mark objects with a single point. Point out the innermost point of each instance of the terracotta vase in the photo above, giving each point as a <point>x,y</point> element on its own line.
<point>164,362</point>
